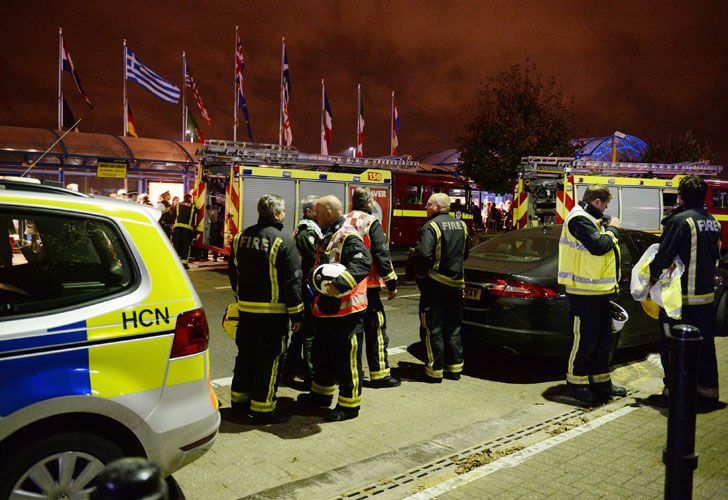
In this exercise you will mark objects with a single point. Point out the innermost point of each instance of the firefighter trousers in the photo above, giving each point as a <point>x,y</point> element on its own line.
<point>375,336</point>
<point>701,317</point>
<point>182,240</point>
<point>337,352</point>
<point>261,341</point>
<point>298,355</point>
<point>441,316</point>
<point>591,326</point>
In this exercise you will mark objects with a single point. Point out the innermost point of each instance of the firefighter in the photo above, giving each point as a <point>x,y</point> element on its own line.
<point>692,234</point>
<point>183,228</point>
<point>265,273</point>
<point>307,235</point>
<point>439,258</point>
<point>589,269</point>
<point>382,274</point>
<point>339,314</point>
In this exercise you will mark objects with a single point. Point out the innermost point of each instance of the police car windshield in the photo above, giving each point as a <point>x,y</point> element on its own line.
<point>519,246</point>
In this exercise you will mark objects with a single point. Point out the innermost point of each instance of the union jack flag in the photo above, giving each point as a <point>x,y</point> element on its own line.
<point>190,83</point>
<point>285,96</point>
<point>239,67</point>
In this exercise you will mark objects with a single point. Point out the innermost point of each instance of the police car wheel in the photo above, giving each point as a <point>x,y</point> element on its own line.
<point>59,466</point>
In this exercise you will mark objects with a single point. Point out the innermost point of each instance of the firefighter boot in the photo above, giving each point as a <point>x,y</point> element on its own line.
<point>341,413</point>
<point>314,399</point>
<point>270,417</point>
<point>608,390</point>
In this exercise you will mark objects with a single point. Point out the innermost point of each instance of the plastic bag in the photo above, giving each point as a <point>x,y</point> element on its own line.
<point>667,292</point>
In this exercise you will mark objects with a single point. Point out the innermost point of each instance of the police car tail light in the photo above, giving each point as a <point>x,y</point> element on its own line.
<point>508,288</point>
<point>191,334</point>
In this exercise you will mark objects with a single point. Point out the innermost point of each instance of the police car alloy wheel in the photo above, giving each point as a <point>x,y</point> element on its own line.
<point>60,467</point>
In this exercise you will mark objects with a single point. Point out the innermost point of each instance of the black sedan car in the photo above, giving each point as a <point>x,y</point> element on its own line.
<point>513,301</point>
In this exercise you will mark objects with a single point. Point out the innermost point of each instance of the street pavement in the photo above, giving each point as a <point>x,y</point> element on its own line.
<point>505,430</point>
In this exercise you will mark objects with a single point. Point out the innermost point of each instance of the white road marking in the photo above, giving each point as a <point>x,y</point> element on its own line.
<point>396,350</point>
<point>519,457</point>
<point>408,296</point>
<point>222,287</point>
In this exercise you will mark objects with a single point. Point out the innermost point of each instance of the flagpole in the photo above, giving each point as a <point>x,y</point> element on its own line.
<point>358,119</point>
<point>323,126</point>
<point>280,112</point>
<point>235,87</point>
<point>126,102</point>
<point>184,82</point>
<point>60,71</point>
<point>391,128</point>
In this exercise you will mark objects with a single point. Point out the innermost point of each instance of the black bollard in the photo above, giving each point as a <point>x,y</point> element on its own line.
<point>130,479</point>
<point>679,456</point>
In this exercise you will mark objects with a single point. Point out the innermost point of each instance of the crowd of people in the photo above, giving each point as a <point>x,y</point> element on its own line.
<point>492,217</point>
<point>280,280</point>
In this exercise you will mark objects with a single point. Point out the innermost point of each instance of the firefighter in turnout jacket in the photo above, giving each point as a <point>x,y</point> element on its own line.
<point>183,228</point>
<point>589,269</point>
<point>307,236</point>
<point>339,314</point>
<point>382,274</point>
<point>693,235</point>
<point>265,273</point>
<point>439,259</point>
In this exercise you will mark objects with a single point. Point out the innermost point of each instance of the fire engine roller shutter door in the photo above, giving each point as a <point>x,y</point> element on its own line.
<point>641,208</point>
<point>254,188</point>
<point>613,210</point>
<point>321,188</point>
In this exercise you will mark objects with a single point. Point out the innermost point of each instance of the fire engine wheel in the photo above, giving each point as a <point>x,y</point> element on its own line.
<point>59,466</point>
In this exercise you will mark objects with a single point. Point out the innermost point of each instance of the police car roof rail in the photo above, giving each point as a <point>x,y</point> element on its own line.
<point>249,153</point>
<point>551,165</point>
<point>30,184</point>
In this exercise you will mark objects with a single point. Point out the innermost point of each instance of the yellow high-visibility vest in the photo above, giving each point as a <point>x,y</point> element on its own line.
<point>581,272</point>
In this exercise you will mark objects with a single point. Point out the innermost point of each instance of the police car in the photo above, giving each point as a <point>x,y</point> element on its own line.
<point>103,343</point>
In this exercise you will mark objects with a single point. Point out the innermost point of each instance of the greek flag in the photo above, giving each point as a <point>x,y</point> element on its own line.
<point>139,72</point>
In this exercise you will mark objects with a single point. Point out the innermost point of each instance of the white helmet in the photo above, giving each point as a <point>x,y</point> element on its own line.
<point>619,316</point>
<point>325,273</point>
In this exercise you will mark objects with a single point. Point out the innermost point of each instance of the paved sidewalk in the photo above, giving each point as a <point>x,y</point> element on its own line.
<point>488,435</point>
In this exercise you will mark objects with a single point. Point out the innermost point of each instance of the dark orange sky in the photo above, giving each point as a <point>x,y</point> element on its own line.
<point>646,68</point>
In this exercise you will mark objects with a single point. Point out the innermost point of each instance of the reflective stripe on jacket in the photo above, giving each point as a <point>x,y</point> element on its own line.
<point>363,221</point>
<point>355,299</point>
<point>581,272</point>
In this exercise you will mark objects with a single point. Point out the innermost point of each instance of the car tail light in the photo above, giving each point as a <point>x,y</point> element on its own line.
<point>507,288</point>
<point>191,334</point>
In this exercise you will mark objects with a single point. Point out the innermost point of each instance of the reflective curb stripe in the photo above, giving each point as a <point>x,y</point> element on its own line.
<point>295,309</point>
<point>324,390</point>
<point>601,378</point>
<point>239,397</point>
<point>262,307</point>
<point>273,272</point>
<point>445,280</point>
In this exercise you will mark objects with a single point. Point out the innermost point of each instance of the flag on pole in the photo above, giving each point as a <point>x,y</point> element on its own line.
<point>239,80</point>
<point>395,127</point>
<point>139,72</point>
<point>194,132</point>
<point>360,134</point>
<point>130,123</point>
<point>190,83</point>
<point>285,97</point>
<point>67,64</point>
<point>68,119</point>
<point>327,126</point>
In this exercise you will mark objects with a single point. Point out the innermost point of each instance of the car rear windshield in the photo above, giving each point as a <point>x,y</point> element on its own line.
<point>51,261</point>
<point>519,246</point>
